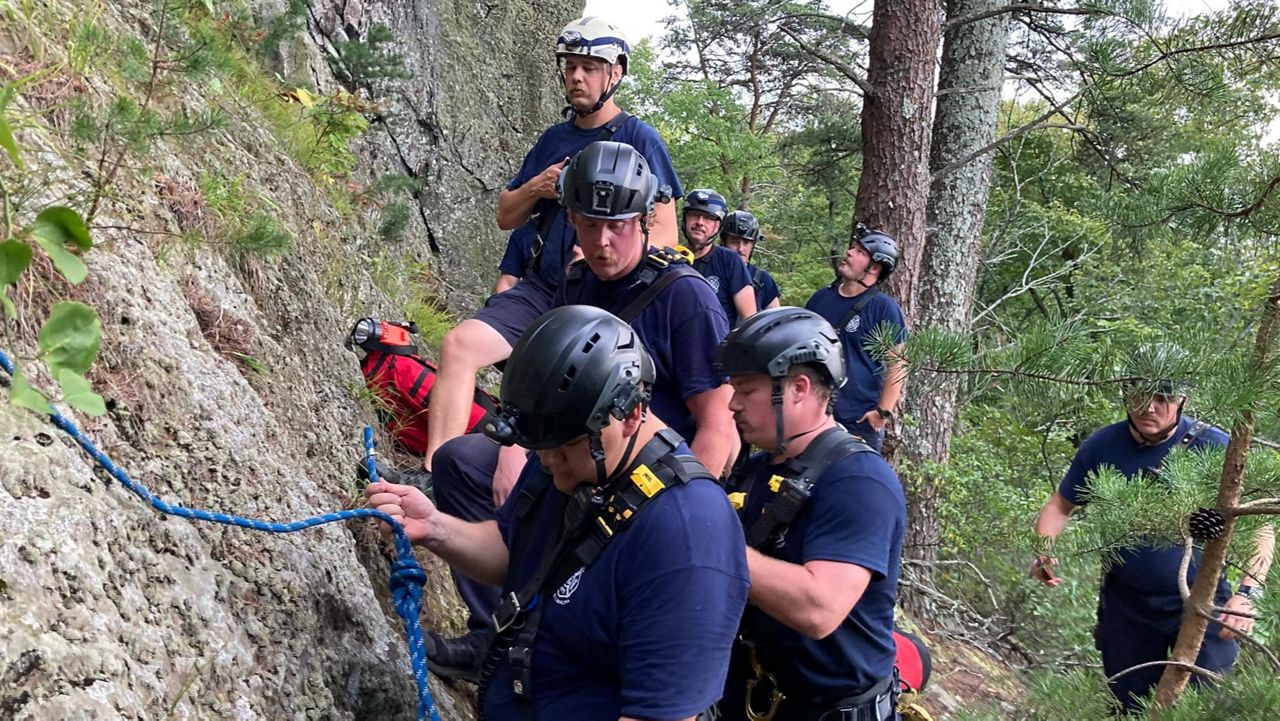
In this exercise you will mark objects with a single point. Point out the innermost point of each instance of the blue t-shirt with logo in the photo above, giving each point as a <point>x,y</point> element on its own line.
<point>515,261</point>
<point>646,630</point>
<point>726,274</point>
<point>681,328</point>
<point>866,373</point>
<point>857,514</point>
<point>1146,571</point>
<point>564,140</point>
<point>766,287</point>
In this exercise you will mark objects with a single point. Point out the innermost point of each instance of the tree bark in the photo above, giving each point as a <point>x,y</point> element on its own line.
<point>973,56</point>
<point>895,132</point>
<point>1230,486</point>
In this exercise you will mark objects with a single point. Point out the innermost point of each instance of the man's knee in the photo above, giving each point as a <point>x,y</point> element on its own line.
<point>471,344</point>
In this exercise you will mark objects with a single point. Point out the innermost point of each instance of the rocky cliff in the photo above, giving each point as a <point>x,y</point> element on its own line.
<point>232,160</point>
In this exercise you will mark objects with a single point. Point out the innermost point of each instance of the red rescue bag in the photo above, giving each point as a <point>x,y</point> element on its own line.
<point>915,663</point>
<point>401,380</point>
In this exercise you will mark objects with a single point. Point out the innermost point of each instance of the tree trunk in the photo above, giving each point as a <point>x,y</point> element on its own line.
<point>1230,485</point>
<point>895,132</point>
<point>968,105</point>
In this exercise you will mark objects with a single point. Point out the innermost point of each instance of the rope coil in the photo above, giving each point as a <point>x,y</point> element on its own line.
<point>407,575</point>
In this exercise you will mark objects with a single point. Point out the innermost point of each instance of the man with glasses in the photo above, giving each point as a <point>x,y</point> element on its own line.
<point>1140,610</point>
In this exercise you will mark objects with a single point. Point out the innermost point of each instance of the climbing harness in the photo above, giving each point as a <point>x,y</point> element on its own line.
<point>593,517</point>
<point>407,576</point>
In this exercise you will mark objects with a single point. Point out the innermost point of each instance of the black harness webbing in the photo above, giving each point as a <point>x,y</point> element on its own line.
<point>549,209</point>
<point>791,494</point>
<point>867,296</point>
<point>593,517</point>
<point>662,267</point>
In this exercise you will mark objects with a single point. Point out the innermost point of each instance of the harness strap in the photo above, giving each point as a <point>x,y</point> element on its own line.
<point>866,297</point>
<point>792,493</point>
<point>593,517</point>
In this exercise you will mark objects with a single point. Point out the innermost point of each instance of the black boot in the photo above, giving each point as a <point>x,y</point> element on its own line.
<point>457,658</point>
<point>419,478</point>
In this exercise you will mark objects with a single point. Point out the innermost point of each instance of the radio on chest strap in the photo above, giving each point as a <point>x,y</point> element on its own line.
<point>791,493</point>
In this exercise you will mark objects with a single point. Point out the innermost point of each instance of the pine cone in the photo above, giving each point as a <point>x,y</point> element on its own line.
<point>1206,524</point>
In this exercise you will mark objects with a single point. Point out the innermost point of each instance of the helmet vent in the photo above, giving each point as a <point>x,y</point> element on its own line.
<point>569,374</point>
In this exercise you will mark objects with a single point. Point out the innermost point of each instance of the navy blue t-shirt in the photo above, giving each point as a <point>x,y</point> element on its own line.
<point>726,274</point>
<point>564,140</point>
<point>1147,571</point>
<point>766,288</point>
<point>682,329</point>
<point>646,630</point>
<point>857,514</point>
<point>515,261</point>
<point>866,374</point>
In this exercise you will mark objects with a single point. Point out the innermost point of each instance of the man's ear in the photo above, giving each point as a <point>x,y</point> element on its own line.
<point>631,422</point>
<point>802,384</point>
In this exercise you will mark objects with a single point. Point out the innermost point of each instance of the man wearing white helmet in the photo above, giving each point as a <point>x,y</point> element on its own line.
<point>592,54</point>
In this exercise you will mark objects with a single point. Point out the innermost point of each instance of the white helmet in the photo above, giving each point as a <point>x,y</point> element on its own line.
<point>594,37</point>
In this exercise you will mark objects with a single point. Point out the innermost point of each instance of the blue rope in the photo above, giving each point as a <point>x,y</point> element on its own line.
<point>407,576</point>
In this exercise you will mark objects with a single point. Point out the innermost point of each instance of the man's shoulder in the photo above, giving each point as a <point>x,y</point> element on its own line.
<point>863,470</point>
<point>885,305</point>
<point>635,129</point>
<point>1199,434</point>
<point>1107,439</point>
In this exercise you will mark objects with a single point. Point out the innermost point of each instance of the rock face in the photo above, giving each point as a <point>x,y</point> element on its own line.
<point>226,382</point>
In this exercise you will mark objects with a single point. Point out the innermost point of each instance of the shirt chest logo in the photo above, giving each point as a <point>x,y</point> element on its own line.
<point>566,591</point>
<point>714,281</point>
<point>853,324</point>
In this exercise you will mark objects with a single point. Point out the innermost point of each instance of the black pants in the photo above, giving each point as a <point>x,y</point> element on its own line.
<point>462,473</point>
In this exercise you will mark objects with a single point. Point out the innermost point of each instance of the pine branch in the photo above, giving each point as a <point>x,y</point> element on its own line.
<point>1238,213</point>
<point>1170,664</point>
<point>1036,124</point>
<point>1022,8</point>
<point>1230,486</point>
<point>844,68</point>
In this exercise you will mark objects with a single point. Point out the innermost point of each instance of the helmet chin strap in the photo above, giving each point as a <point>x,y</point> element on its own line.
<point>1154,439</point>
<point>783,439</point>
<point>597,452</point>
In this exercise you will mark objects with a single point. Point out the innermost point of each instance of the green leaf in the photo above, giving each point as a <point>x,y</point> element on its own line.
<point>65,225</point>
<point>77,393</point>
<point>6,132</point>
<point>9,309</point>
<point>7,142</point>
<point>59,227</point>
<point>70,338</point>
<point>15,256</point>
<point>23,395</point>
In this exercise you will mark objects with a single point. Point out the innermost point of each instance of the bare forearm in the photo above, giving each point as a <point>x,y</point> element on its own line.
<point>1260,564</point>
<point>895,379</point>
<point>745,302</point>
<point>515,207</point>
<point>713,444</point>
<point>1053,517</point>
<point>790,594</point>
<point>663,230</point>
<point>475,549</point>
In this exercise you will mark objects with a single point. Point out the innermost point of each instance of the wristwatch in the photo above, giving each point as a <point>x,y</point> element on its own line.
<point>1253,593</point>
<point>885,414</point>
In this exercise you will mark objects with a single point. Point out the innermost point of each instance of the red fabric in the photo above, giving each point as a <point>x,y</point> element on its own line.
<point>403,407</point>
<point>914,661</point>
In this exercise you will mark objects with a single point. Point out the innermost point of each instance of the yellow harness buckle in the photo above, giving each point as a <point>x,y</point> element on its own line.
<point>645,479</point>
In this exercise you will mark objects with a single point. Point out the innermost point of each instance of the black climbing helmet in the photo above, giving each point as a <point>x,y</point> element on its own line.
<point>772,342</point>
<point>883,249</point>
<point>572,370</point>
<point>609,180</point>
<point>742,224</point>
<point>707,201</point>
